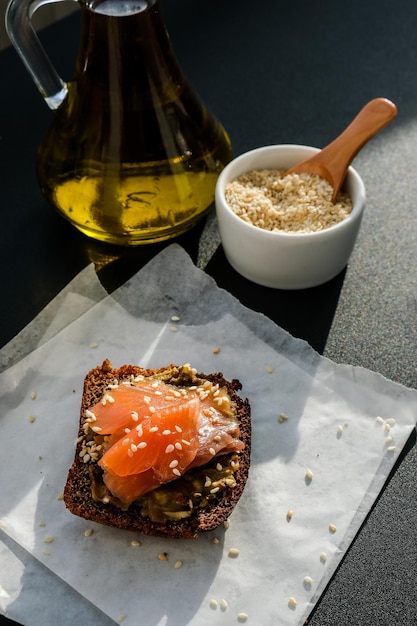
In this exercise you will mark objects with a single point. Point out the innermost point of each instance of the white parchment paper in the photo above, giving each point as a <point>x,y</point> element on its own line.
<point>332,432</point>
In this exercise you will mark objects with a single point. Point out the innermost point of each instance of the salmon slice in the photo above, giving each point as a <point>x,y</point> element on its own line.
<point>155,433</point>
<point>218,433</point>
<point>129,488</point>
<point>127,404</point>
<point>167,442</point>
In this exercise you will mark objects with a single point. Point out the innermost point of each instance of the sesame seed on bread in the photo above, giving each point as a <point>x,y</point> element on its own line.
<point>78,492</point>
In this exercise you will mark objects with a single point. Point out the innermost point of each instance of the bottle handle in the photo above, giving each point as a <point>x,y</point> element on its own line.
<point>26,42</point>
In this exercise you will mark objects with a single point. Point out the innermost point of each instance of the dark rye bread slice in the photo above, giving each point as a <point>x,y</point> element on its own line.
<point>78,489</point>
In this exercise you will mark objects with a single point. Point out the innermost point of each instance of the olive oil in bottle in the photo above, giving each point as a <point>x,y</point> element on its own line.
<point>132,155</point>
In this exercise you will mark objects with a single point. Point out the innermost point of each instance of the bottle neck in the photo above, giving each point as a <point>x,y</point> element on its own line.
<point>126,51</point>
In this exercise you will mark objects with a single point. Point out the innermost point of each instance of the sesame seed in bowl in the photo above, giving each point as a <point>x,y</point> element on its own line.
<point>296,203</point>
<point>281,231</point>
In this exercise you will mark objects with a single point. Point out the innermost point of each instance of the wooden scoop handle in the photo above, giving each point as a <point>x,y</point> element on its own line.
<point>332,162</point>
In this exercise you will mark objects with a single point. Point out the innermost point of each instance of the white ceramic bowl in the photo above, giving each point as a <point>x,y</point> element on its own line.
<point>278,259</point>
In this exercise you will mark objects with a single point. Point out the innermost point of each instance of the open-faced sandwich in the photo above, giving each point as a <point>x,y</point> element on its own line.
<point>164,452</point>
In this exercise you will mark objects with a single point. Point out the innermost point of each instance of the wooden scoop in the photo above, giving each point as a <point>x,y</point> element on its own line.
<point>332,162</point>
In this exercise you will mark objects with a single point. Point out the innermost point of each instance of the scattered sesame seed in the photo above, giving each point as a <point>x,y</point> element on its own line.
<point>216,350</point>
<point>388,440</point>
<point>129,453</point>
<point>41,523</point>
<point>392,448</point>
<point>233,553</point>
<point>269,369</point>
<point>121,618</point>
<point>339,431</point>
<point>49,539</point>
<point>226,523</point>
<point>46,552</point>
<point>223,604</point>
<point>88,532</point>
<point>3,524</point>
<point>60,496</point>
<point>141,445</point>
<point>323,557</point>
<point>33,395</point>
<point>31,418</point>
<point>166,432</point>
<point>125,441</point>
<point>289,515</point>
<point>174,329</point>
<point>215,490</point>
<point>177,564</point>
<point>154,429</point>
<point>387,427</point>
<point>282,418</point>
<point>242,617</point>
<point>178,445</point>
<point>332,528</point>
<point>212,451</point>
<point>175,318</point>
<point>135,543</point>
<point>90,415</point>
<point>219,467</point>
<point>173,464</point>
<point>379,420</point>
<point>176,471</point>
<point>308,580</point>
<point>170,448</point>
<point>292,602</point>
<point>215,540</point>
<point>391,421</point>
<point>185,442</point>
<point>178,428</point>
<point>163,556</point>
<point>214,604</point>
<point>309,475</point>
<point>134,416</point>
<point>93,345</point>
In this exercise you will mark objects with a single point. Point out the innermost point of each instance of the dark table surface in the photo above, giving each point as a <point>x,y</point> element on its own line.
<point>277,73</point>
